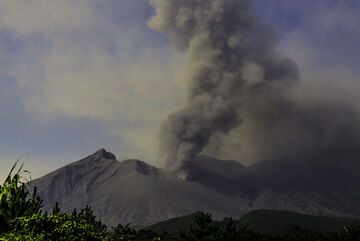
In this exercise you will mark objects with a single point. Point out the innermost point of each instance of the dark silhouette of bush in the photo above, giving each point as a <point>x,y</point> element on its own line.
<point>15,199</point>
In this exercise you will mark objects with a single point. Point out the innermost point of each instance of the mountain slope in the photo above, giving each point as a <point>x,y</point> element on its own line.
<point>134,192</point>
<point>316,188</point>
<point>128,192</point>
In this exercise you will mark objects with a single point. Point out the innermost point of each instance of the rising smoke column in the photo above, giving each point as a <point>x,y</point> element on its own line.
<point>236,79</point>
<point>230,59</point>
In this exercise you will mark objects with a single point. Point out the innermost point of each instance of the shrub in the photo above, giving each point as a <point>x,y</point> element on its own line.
<point>62,226</point>
<point>15,199</point>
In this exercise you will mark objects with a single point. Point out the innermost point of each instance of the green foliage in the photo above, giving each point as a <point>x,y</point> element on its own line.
<point>128,233</point>
<point>204,230</point>
<point>15,199</point>
<point>208,230</point>
<point>351,233</point>
<point>62,226</point>
<point>21,237</point>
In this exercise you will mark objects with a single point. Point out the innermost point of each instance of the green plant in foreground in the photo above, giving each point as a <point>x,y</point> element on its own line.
<point>62,226</point>
<point>15,198</point>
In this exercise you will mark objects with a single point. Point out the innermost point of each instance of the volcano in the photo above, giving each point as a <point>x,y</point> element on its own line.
<point>132,191</point>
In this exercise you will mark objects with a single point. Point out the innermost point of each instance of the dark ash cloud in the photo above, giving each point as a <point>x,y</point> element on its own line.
<point>238,86</point>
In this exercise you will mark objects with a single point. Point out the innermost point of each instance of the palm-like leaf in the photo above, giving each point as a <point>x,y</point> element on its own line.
<point>15,198</point>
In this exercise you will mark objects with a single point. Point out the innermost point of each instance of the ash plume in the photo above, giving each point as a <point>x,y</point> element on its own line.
<point>238,86</point>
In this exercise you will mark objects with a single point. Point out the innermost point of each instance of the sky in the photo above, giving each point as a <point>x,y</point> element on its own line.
<point>77,76</point>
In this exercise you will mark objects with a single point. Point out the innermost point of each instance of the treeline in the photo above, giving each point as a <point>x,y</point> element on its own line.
<point>21,218</point>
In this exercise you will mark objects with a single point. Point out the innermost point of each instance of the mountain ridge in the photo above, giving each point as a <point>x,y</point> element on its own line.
<point>132,191</point>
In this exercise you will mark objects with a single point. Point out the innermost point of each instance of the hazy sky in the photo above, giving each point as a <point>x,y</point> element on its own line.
<point>77,76</point>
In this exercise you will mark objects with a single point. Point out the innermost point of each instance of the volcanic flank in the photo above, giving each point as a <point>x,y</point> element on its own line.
<point>134,192</point>
<point>130,191</point>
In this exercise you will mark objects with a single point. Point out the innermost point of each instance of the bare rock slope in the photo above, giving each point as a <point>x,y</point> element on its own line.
<point>134,192</point>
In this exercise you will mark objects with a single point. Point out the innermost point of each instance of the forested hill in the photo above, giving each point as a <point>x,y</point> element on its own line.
<point>271,221</point>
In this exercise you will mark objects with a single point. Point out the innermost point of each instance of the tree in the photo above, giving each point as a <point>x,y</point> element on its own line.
<point>203,230</point>
<point>15,198</point>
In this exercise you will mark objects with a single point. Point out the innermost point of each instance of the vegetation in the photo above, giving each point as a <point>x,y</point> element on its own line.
<point>21,219</point>
<point>15,199</point>
<point>274,221</point>
<point>264,221</point>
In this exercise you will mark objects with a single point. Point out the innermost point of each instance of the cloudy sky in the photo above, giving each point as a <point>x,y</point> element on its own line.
<point>76,76</point>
